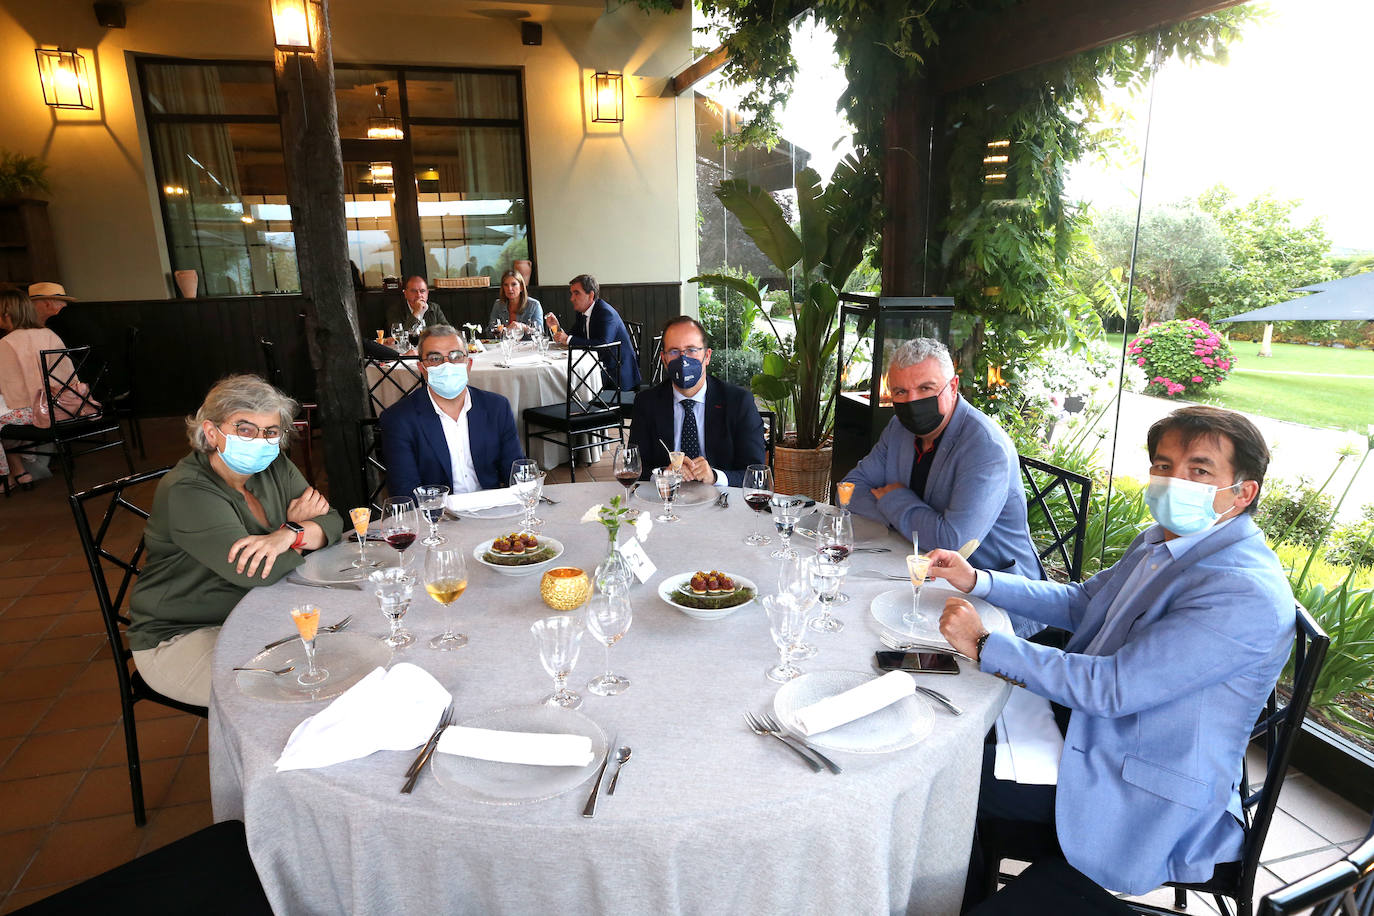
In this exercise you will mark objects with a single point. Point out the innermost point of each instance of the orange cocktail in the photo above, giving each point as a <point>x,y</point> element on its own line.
<point>307,620</point>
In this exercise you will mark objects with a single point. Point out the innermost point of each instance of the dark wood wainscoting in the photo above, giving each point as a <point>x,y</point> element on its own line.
<point>184,345</point>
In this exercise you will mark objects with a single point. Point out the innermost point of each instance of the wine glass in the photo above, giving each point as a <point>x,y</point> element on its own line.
<point>835,536</point>
<point>794,584</point>
<point>541,340</point>
<point>627,465</point>
<point>758,494</point>
<point>559,639</point>
<point>916,567</point>
<point>827,572</point>
<point>393,587</point>
<point>666,482</point>
<point>608,620</point>
<point>361,518</point>
<point>307,620</point>
<point>508,337</point>
<point>399,525</point>
<point>430,499</point>
<point>786,624</point>
<point>528,483</point>
<point>786,513</point>
<point>446,578</point>
<point>398,335</point>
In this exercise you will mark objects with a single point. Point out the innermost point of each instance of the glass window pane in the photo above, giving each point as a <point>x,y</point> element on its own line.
<point>463,95</point>
<point>374,241</point>
<point>211,89</point>
<point>357,94</point>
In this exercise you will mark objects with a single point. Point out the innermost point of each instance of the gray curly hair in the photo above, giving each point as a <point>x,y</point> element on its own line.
<point>920,349</point>
<point>240,393</point>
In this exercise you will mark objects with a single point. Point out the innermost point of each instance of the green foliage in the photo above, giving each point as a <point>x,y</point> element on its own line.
<point>1183,356</point>
<point>1181,247</point>
<point>736,366</point>
<point>1352,544</point>
<point>1346,614</point>
<point>21,176</point>
<point>1293,556</point>
<point>730,323</point>
<point>1293,514</point>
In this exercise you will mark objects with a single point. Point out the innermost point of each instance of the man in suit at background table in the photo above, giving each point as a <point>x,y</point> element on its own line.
<point>597,323</point>
<point>713,422</point>
<point>447,433</point>
<point>415,308</point>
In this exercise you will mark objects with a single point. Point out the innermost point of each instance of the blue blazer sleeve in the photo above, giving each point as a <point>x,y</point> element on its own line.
<point>400,447</point>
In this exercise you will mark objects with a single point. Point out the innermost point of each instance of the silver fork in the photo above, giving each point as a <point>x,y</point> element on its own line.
<point>898,645</point>
<point>758,728</point>
<point>723,500</point>
<point>275,672</point>
<point>417,766</point>
<point>332,628</point>
<point>772,725</point>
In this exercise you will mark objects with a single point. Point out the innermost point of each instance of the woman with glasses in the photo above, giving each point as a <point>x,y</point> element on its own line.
<point>233,514</point>
<point>448,433</point>
<point>516,308</point>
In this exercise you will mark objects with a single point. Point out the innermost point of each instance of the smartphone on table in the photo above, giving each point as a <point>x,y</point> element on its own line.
<point>917,662</point>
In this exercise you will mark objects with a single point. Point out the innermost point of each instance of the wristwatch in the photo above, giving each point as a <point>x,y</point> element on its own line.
<point>978,650</point>
<point>300,537</point>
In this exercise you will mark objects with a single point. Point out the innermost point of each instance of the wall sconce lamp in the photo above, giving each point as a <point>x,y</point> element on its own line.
<point>291,25</point>
<point>63,76</point>
<point>608,97</point>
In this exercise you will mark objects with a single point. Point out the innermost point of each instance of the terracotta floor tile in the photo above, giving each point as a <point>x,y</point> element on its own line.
<point>81,710</point>
<point>99,674</point>
<point>17,567</point>
<point>105,791</point>
<point>36,604</point>
<point>18,718</point>
<point>200,741</point>
<point>23,629</point>
<point>168,825</point>
<point>76,563</point>
<point>77,623</point>
<point>16,851</point>
<point>63,582</point>
<point>50,545</point>
<point>86,604</point>
<point>35,802</point>
<point>158,738</point>
<point>10,588</point>
<point>192,781</point>
<point>21,899</point>
<point>82,849</point>
<point>59,752</point>
<point>7,748</point>
<point>47,681</point>
<point>11,653</point>
<point>57,650</point>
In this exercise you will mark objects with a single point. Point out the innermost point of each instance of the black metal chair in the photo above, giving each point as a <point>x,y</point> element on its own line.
<point>79,424</point>
<point>125,403</point>
<point>627,398</point>
<point>112,575</point>
<point>656,369</point>
<point>1060,497</point>
<point>588,413</point>
<point>389,380</point>
<point>770,433</point>
<point>1345,887</point>
<point>1052,885</point>
<point>371,461</point>
<point>636,329</point>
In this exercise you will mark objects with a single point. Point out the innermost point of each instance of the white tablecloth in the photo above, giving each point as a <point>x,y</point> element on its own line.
<point>708,817</point>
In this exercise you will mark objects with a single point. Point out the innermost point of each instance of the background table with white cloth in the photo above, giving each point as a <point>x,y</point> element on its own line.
<point>707,818</point>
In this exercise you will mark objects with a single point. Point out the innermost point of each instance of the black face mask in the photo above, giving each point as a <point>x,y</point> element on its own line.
<point>920,417</point>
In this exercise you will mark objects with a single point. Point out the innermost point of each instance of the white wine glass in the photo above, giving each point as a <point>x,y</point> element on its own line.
<point>786,624</point>
<point>827,572</point>
<point>666,482</point>
<point>393,587</point>
<point>608,620</point>
<point>307,620</point>
<point>527,480</point>
<point>794,585</point>
<point>835,537</point>
<point>559,639</point>
<point>787,512</point>
<point>430,499</point>
<point>446,578</point>
<point>758,495</point>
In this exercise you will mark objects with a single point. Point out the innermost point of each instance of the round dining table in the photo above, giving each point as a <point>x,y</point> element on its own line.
<point>708,817</point>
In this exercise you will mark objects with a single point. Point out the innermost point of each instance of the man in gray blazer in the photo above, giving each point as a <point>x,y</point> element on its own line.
<point>944,471</point>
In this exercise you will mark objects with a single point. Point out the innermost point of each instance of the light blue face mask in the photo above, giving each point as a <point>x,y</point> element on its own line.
<point>449,380</point>
<point>248,456</point>
<point>1183,506</point>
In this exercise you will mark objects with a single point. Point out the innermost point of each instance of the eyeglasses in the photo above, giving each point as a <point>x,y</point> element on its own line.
<point>438,359</point>
<point>693,352</point>
<point>250,431</point>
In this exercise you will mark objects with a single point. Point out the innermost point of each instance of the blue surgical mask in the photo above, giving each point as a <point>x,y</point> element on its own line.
<point>1183,506</point>
<point>248,456</point>
<point>685,371</point>
<point>449,380</point>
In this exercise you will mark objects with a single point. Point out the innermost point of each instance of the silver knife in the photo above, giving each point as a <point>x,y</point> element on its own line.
<point>345,586</point>
<point>590,809</point>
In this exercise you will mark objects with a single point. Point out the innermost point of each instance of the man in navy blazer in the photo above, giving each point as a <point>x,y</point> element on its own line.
<point>724,434</point>
<point>598,323</point>
<point>448,433</point>
<point>1174,652</point>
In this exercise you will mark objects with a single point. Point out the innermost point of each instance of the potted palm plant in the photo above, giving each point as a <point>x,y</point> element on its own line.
<point>818,256</point>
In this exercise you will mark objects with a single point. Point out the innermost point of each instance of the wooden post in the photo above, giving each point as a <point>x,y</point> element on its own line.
<point>914,150</point>
<point>315,181</point>
<point>1267,345</point>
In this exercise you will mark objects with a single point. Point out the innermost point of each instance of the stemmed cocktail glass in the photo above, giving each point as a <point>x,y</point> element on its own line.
<point>430,500</point>
<point>307,620</point>
<point>786,624</point>
<point>917,565</point>
<point>666,482</point>
<point>361,518</point>
<point>393,587</point>
<point>559,639</point>
<point>446,578</point>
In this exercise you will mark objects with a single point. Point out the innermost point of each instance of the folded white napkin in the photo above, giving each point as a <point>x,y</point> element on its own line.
<point>392,710</point>
<point>855,703</point>
<point>517,747</point>
<point>482,499</point>
<point>523,359</point>
<point>1028,741</point>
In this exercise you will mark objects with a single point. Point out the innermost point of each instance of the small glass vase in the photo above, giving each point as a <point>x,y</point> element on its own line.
<point>613,574</point>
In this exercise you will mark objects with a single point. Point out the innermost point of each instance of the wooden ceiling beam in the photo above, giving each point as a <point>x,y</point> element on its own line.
<point>701,68</point>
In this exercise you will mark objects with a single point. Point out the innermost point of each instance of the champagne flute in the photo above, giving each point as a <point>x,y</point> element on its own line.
<point>559,639</point>
<point>430,499</point>
<point>916,566</point>
<point>393,587</point>
<point>361,518</point>
<point>528,483</point>
<point>786,513</point>
<point>307,620</point>
<point>666,482</point>
<point>786,623</point>
<point>835,536</point>
<point>827,572</point>
<point>399,525</point>
<point>446,578</point>
<point>627,465</point>
<point>608,620</point>
<point>758,495</point>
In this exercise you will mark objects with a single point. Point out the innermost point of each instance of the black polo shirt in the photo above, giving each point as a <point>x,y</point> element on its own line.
<point>920,468</point>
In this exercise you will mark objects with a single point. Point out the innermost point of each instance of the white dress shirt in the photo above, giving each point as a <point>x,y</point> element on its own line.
<point>459,450</point>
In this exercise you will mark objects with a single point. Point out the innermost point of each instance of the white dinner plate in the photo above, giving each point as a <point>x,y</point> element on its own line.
<point>890,607</point>
<point>518,783</point>
<point>479,552</point>
<point>896,726</point>
<point>348,657</point>
<point>691,494</point>
<point>331,566</point>
<point>668,590</point>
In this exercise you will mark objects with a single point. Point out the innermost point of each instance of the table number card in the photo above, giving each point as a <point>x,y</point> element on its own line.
<point>640,564</point>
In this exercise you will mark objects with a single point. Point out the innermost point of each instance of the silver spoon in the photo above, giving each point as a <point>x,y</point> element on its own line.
<point>621,756</point>
<point>277,672</point>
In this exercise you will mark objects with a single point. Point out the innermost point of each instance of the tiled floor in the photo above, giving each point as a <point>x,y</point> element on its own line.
<point>65,811</point>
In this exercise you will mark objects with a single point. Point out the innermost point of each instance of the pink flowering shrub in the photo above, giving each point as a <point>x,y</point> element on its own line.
<point>1181,357</point>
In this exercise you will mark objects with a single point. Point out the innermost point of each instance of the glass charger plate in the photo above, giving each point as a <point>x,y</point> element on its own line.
<point>348,657</point>
<point>506,511</point>
<point>518,783</point>
<point>891,728</point>
<point>890,607</point>
<point>691,494</point>
<point>480,550</point>
<point>669,588</point>
<point>332,565</point>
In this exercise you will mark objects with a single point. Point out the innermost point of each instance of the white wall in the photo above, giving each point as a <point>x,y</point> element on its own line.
<point>617,201</point>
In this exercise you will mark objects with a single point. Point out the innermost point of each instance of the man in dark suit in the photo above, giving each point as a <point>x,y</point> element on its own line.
<point>415,308</point>
<point>448,433</point>
<point>597,323</point>
<point>715,424</point>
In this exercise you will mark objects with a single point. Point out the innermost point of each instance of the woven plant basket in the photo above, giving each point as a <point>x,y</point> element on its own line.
<point>803,472</point>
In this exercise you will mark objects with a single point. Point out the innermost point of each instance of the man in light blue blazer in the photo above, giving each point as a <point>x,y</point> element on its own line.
<point>944,470</point>
<point>1174,652</point>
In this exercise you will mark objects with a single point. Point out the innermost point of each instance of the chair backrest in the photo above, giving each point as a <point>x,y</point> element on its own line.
<point>636,329</point>
<point>269,357</point>
<point>389,380</point>
<point>656,366</point>
<point>1060,498</point>
<point>371,461</point>
<point>1346,886</point>
<point>70,398</point>
<point>593,374</point>
<point>770,433</point>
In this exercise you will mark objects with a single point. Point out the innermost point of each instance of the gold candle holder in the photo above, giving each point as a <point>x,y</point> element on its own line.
<point>565,588</point>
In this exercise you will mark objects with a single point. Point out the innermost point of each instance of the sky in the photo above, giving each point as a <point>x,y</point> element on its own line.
<point>1288,113</point>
